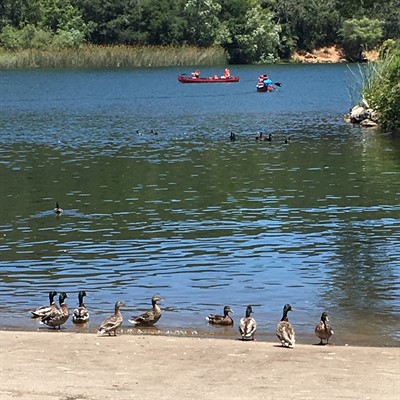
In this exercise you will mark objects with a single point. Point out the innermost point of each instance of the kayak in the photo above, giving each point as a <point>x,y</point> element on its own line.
<point>265,88</point>
<point>190,79</point>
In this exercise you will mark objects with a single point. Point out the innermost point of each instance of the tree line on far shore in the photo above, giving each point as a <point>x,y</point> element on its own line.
<point>248,31</point>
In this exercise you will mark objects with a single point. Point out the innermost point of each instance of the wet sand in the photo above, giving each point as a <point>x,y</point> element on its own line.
<point>72,366</point>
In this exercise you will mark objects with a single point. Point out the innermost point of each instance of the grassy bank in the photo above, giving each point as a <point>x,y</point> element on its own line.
<point>90,56</point>
<point>381,89</point>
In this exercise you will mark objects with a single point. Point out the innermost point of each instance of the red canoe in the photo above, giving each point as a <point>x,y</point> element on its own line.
<point>189,79</point>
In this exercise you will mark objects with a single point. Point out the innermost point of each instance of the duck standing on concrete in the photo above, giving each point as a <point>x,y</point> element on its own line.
<point>59,316</point>
<point>284,329</point>
<point>40,312</point>
<point>248,325</point>
<point>323,330</point>
<point>112,323</point>
<point>81,314</point>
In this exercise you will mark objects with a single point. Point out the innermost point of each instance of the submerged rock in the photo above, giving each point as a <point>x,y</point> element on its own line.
<point>368,123</point>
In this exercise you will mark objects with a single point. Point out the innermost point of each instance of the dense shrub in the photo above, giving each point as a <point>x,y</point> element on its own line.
<point>382,90</point>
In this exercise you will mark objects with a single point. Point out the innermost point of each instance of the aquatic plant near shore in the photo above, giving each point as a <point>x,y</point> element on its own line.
<point>380,93</point>
<point>91,56</point>
<point>382,90</point>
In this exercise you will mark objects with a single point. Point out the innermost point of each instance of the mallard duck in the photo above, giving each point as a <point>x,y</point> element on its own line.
<point>248,325</point>
<point>284,329</point>
<point>263,138</point>
<point>221,319</point>
<point>112,323</point>
<point>81,314</point>
<point>151,316</point>
<point>57,209</point>
<point>44,310</point>
<point>58,316</point>
<point>324,330</point>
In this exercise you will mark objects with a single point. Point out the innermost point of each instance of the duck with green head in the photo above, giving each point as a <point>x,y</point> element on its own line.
<point>284,329</point>
<point>248,325</point>
<point>81,314</point>
<point>59,316</point>
<point>44,310</point>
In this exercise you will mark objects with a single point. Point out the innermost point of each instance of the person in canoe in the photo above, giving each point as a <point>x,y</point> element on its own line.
<point>196,74</point>
<point>227,73</point>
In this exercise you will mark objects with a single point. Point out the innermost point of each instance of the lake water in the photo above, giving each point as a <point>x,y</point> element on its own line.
<point>191,216</point>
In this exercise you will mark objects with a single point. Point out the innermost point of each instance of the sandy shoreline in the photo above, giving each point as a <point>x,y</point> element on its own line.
<point>72,366</point>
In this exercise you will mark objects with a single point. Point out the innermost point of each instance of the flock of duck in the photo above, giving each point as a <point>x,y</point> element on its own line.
<point>261,137</point>
<point>55,316</point>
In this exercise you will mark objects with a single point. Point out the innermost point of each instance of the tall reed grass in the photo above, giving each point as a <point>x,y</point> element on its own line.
<point>91,56</point>
<point>381,90</point>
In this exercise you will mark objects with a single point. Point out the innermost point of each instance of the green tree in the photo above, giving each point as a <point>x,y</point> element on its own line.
<point>359,35</point>
<point>106,19</point>
<point>258,40</point>
<point>19,13</point>
<point>249,33</point>
<point>161,23</point>
<point>61,15</point>
<point>308,24</point>
<point>203,24</point>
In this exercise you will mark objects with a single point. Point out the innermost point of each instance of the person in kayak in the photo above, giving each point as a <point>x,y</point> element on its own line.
<point>266,80</point>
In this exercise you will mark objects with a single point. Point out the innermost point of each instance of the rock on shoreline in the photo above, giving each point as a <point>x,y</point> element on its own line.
<point>363,116</point>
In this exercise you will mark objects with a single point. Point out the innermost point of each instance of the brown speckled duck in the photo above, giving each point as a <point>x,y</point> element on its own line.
<point>81,314</point>
<point>112,323</point>
<point>151,316</point>
<point>42,311</point>
<point>248,325</point>
<point>323,330</point>
<point>284,329</point>
<point>59,316</point>
<point>223,320</point>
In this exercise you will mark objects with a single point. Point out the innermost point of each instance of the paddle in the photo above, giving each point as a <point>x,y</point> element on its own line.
<point>278,84</point>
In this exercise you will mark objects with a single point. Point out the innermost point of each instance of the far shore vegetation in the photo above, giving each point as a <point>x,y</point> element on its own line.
<point>178,32</point>
<point>117,56</point>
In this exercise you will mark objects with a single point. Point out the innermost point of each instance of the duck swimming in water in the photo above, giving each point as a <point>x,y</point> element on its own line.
<point>223,320</point>
<point>323,330</point>
<point>44,310</point>
<point>284,329</point>
<point>80,314</point>
<point>151,316</point>
<point>112,323</point>
<point>248,325</point>
<point>58,210</point>
<point>263,138</point>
